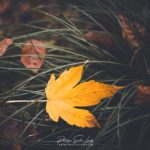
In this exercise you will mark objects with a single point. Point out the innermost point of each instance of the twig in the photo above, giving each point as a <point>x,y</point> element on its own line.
<point>25,101</point>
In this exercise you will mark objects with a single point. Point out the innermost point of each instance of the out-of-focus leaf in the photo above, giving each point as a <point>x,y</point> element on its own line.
<point>33,53</point>
<point>4,45</point>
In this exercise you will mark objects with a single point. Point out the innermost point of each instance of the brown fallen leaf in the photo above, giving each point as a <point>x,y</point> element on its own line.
<point>142,94</point>
<point>128,31</point>
<point>69,13</point>
<point>4,4</point>
<point>64,95</point>
<point>11,130</point>
<point>101,38</point>
<point>4,45</point>
<point>17,147</point>
<point>33,53</point>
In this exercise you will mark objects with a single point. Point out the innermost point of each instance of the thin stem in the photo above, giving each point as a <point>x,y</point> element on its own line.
<point>25,101</point>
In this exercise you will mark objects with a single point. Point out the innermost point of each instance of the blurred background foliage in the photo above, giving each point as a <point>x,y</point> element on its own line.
<point>113,35</point>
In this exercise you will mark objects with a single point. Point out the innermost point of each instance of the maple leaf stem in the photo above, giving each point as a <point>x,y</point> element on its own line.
<point>25,101</point>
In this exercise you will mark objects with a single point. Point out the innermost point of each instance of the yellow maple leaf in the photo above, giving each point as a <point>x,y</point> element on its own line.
<point>64,95</point>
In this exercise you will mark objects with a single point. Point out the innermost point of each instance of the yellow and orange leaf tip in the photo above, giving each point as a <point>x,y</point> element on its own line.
<point>64,94</point>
